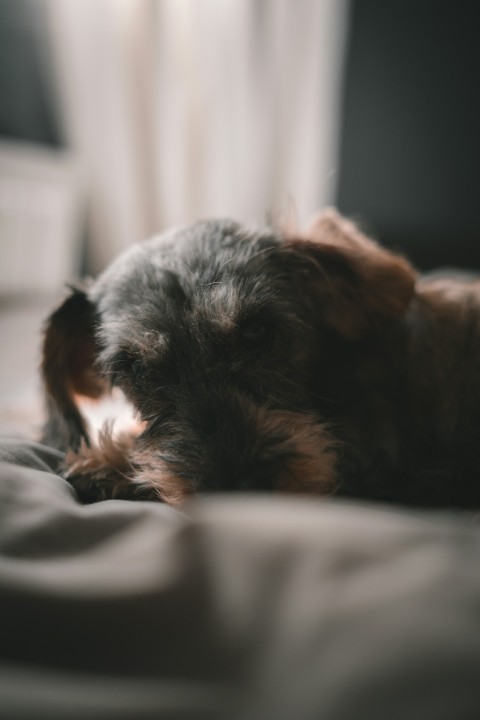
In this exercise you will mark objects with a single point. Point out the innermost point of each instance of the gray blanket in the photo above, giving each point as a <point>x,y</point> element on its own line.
<point>237,607</point>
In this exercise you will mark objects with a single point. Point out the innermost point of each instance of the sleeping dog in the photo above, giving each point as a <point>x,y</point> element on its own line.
<point>258,360</point>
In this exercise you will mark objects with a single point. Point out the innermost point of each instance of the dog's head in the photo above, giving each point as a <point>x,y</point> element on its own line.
<point>215,334</point>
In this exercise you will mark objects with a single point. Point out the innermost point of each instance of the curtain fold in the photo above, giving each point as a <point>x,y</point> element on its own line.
<point>182,109</point>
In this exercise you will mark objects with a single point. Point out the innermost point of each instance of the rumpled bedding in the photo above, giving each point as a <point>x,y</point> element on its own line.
<point>242,607</point>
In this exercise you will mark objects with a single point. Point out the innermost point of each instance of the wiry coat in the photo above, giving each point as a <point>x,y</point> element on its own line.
<point>256,360</point>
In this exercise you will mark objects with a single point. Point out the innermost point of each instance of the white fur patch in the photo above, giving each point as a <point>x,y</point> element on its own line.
<point>113,409</point>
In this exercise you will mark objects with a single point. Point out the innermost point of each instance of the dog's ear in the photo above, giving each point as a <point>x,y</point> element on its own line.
<point>355,282</point>
<point>68,369</point>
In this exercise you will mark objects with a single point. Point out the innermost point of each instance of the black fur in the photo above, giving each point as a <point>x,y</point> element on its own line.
<point>260,361</point>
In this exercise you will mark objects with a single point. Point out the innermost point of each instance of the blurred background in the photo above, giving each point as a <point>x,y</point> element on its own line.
<point>120,118</point>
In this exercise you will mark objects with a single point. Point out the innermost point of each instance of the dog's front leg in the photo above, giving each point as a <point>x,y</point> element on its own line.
<point>106,471</point>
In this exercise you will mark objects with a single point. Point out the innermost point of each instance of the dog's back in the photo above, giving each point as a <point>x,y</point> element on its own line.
<point>407,401</point>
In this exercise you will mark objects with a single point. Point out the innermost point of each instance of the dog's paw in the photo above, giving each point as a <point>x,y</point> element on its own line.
<point>90,490</point>
<point>102,472</point>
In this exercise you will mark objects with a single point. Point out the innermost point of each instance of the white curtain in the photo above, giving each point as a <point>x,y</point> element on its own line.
<point>182,109</point>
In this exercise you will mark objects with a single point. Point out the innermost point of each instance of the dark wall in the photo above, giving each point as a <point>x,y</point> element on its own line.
<point>410,145</point>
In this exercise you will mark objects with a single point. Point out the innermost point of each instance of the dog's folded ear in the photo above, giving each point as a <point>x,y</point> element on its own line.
<point>68,368</point>
<point>355,282</point>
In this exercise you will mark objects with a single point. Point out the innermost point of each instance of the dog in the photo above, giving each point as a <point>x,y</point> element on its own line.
<point>314,363</point>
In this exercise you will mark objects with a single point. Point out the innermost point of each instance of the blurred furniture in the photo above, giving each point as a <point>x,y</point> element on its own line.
<point>40,234</point>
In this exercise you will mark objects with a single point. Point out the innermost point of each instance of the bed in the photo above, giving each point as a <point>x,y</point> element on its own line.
<point>236,606</point>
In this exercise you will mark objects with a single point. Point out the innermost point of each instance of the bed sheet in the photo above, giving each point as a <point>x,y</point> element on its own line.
<point>248,607</point>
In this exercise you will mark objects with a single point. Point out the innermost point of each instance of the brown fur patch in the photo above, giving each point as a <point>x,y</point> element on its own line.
<point>118,468</point>
<point>105,470</point>
<point>68,367</point>
<point>69,351</point>
<point>156,477</point>
<point>150,346</point>
<point>222,308</point>
<point>310,451</point>
<point>357,282</point>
